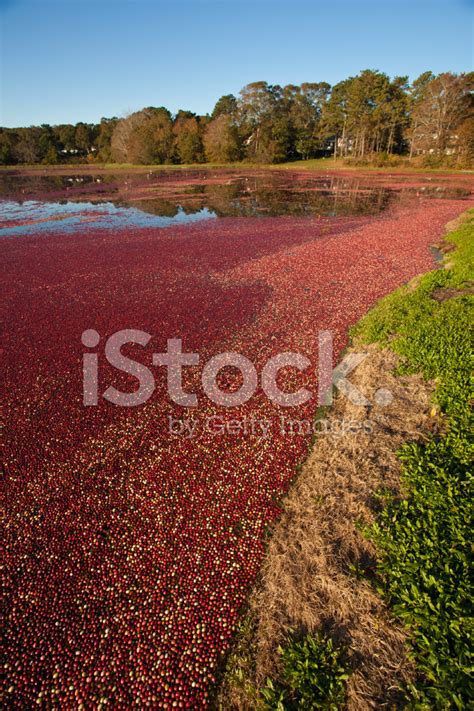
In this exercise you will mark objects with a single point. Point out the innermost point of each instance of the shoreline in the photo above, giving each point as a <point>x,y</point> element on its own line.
<point>324,166</point>
<point>320,571</point>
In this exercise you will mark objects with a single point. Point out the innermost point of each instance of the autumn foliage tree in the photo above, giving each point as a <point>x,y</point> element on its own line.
<point>187,131</point>
<point>441,113</point>
<point>225,105</point>
<point>222,141</point>
<point>105,132</point>
<point>144,137</point>
<point>366,118</point>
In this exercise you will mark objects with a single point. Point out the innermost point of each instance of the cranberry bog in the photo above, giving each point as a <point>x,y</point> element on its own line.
<point>130,540</point>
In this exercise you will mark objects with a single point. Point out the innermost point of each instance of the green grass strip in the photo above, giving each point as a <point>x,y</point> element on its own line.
<point>424,539</point>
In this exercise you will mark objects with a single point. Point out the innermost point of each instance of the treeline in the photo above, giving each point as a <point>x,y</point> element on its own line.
<point>363,118</point>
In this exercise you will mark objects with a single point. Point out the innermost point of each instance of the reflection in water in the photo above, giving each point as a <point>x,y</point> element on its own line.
<point>36,217</point>
<point>161,198</point>
<point>259,196</point>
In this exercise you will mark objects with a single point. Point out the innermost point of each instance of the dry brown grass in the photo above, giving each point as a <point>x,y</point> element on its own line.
<point>309,577</point>
<point>447,293</point>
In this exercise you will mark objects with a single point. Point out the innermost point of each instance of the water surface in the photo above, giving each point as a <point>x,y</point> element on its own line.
<point>35,204</point>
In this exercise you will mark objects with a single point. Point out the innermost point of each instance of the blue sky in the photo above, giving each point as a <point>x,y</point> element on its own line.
<point>78,60</point>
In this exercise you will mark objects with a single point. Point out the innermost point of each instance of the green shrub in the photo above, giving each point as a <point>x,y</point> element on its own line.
<point>314,676</point>
<point>425,559</point>
<point>424,540</point>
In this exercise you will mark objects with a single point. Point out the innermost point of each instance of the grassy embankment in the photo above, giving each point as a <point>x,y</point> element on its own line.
<point>313,164</point>
<point>422,536</point>
<point>423,539</point>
